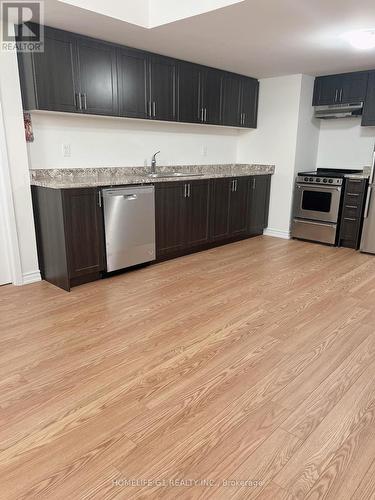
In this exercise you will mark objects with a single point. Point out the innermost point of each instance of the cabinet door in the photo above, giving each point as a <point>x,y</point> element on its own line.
<point>197,213</point>
<point>238,216</point>
<point>249,102</point>
<point>211,81</point>
<point>353,87</point>
<point>54,76</point>
<point>231,100</point>
<point>97,72</point>
<point>368,118</point>
<point>326,90</point>
<point>170,209</point>
<point>188,93</point>
<point>162,79</point>
<point>83,231</point>
<point>132,83</point>
<point>259,198</point>
<point>219,208</point>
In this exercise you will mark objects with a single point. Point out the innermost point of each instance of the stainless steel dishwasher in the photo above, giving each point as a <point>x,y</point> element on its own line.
<point>129,222</point>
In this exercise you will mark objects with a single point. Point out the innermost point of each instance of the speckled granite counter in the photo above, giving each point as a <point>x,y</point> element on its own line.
<point>114,176</point>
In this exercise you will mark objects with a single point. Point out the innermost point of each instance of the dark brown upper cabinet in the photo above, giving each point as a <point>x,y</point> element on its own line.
<point>189,93</point>
<point>132,67</point>
<point>239,101</point>
<point>249,102</point>
<point>84,75</point>
<point>48,79</point>
<point>231,100</point>
<point>199,94</point>
<point>368,117</point>
<point>210,91</point>
<point>97,77</point>
<point>162,82</point>
<point>340,89</point>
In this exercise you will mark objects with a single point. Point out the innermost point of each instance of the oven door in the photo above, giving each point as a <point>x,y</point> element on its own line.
<point>317,202</point>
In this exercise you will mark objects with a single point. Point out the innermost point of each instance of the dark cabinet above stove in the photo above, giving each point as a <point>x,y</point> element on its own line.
<point>348,88</point>
<point>340,89</point>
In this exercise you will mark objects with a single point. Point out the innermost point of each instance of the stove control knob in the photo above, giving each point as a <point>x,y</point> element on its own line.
<point>311,179</point>
<point>306,179</point>
<point>317,179</point>
<point>325,180</point>
<point>330,181</point>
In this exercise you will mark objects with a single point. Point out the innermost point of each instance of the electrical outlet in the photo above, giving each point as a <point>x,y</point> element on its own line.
<point>66,150</point>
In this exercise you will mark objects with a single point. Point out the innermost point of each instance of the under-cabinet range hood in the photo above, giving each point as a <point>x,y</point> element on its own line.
<point>339,111</point>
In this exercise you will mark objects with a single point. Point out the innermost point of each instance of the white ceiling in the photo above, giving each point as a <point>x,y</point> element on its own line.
<point>261,38</point>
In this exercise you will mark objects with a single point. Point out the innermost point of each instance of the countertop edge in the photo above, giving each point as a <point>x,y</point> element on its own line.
<point>136,180</point>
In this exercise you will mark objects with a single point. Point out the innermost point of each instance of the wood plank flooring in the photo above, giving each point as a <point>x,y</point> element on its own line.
<point>246,371</point>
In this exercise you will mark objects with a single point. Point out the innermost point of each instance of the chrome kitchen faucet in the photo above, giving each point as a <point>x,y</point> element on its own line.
<point>153,162</point>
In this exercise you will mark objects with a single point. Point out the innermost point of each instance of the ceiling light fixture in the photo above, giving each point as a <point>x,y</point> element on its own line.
<point>361,39</point>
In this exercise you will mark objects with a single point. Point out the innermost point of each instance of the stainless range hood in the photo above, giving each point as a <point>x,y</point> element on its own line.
<point>339,111</point>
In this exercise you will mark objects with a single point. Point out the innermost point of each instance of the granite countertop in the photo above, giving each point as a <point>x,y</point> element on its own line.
<point>115,176</point>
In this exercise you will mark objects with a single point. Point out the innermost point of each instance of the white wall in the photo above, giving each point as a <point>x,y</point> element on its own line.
<point>343,143</point>
<point>275,142</point>
<point>106,142</point>
<point>18,167</point>
<point>308,128</point>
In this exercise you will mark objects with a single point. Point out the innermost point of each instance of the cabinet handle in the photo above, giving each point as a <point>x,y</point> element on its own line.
<point>336,94</point>
<point>189,190</point>
<point>149,114</point>
<point>340,98</point>
<point>100,199</point>
<point>235,184</point>
<point>154,109</point>
<point>254,181</point>
<point>185,190</point>
<point>354,207</point>
<point>84,101</point>
<point>350,219</point>
<point>79,101</point>
<point>353,194</point>
<point>205,115</point>
<point>202,115</point>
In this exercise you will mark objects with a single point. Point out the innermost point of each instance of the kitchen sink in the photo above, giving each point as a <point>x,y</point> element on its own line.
<point>164,175</point>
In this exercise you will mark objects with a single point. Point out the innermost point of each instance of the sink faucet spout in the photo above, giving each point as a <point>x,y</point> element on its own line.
<point>153,162</point>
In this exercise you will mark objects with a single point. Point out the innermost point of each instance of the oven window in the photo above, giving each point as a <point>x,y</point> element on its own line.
<point>317,201</point>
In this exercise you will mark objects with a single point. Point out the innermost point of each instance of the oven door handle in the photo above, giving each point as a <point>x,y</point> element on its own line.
<point>319,188</point>
<point>325,224</point>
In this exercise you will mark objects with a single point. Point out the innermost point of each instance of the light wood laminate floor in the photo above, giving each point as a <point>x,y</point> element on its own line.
<point>249,362</point>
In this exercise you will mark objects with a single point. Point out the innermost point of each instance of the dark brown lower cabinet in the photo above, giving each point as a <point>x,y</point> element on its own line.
<point>201,214</point>
<point>69,226</point>
<point>181,212</point>
<point>189,215</point>
<point>238,207</point>
<point>219,209</point>
<point>352,213</point>
<point>258,203</point>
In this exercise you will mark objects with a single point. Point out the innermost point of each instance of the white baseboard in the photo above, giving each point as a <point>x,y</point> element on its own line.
<point>31,277</point>
<point>276,233</point>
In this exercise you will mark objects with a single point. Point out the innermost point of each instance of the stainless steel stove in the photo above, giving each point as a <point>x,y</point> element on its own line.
<point>317,204</point>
